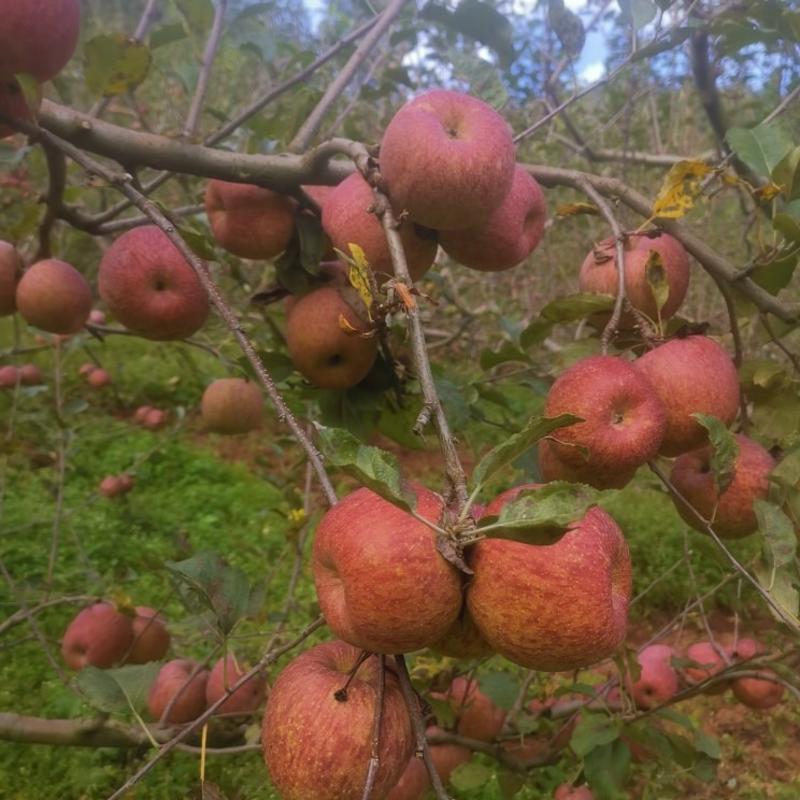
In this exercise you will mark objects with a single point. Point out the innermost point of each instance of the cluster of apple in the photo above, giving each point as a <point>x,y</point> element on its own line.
<point>103,636</point>
<point>25,375</point>
<point>115,485</point>
<point>96,377</point>
<point>150,417</point>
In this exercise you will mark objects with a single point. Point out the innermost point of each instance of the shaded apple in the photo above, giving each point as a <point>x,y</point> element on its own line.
<point>110,486</point>
<point>249,221</point>
<point>232,405</point>
<point>381,583</point>
<point>86,368</point>
<point>463,640</point>
<point>710,662</point>
<point>14,103</point>
<point>150,635</point>
<point>732,511</point>
<point>98,636</point>
<point>316,745</point>
<point>183,684</point>
<point>30,375</point>
<point>759,693</point>
<point>447,757</point>
<point>98,378</point>
<point>566,791</point>
<point>552,468</point>
<point>509,234</point>
<point>477,717</point>
<point>414,782</point>
<point>126,482</point>
<point>150,288</point>
<point>140,413</point>
<point>691,375</point>
<point>155,419</point>
<point>658,680</point>
<point>246,699</point>
<point>54,296</point>
<point>447,159</point>
<point>9,375</point>
<point>10,273</point>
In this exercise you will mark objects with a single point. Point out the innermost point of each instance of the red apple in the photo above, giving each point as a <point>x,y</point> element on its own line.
<point>691,375</point>
<point>232,405</point>
<point>98,378</point>
<point>447,159</point>
<point>150,288</point>
<point>658,680</point>
<point>381,583</point>
<point>553,607</point>
<point>224,674</point>
<point>125,482</point>
<point>97,317</point>
<point>249,221</point>
<point>759,693</point>
<point>566,791</point>
<point>316,745</point>
<point>708,656</point>
<point>732,512</point>
<point>509,234</point>
<point>182,680</point>
<point>624,420</point>
<point>14,103</point>
<point>522,751</point>
<point>9,375</point>
<point>10,273</point>
<point>477,717</point>
<point>54,296</point>
<point>463,640</point>
<point>447,757</point>
<point>99,635</point>
<point>110,486</point>
<point>150,635</point>
<point>140,413</point>
<point>414,782</point>
<point>155,419</point>
<point>348,219</point>
<point>86,368</point>
<point>552,468</point>
<point>30,375</point>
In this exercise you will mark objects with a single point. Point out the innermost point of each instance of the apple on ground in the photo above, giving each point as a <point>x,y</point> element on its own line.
<point>180,686</point>
<point>155,419</point>
<point>10,273</point>
<point>759,693</point>
<point>99,636</point>
<point>150,635</point>
<point>658,680</point>
<point>98,378</point>
<point>232,405</point>
<point>30,375</point>
<point>707,655</point>
<point>566,791</point>
<point>317,743</point>
<point>246,699</point>
<point>381,583</point>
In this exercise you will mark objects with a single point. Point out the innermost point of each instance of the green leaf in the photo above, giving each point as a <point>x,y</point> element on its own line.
<point>503,355</point>
<point>656,277</point>
<point>376,469</point>
<point>312,241</point>
<point>638,12</point>
<point>787,174</point>
<point>564,309</point>
<point>778,570</point>
<point>787,226</point>
<point>516,445</point>
<point>199,242</point>
<point>198,14</point>
<point>726,450</point>
<point>593,731</point>
<point>501,688</point>
<point>470,776</point>
<point>167,34</point>
<point>762,148</point>
<point>707,745</point>
<point>115,64</point>
<point>118,689</point>
<point>606,768</point>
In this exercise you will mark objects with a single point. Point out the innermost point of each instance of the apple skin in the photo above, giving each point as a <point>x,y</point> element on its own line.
<point>553,607</point>
<point>691,375</point>
<point>110,486</point>
<point>97,317</point>
<point>14,104</point>
<point>733,511</point>
<point>346,218</point>
<point>477,717</point>
<point>232,405</point>
<point>30,375</point>
<point>414,782</point>
<point>705,653</point>
<point>54,296</point>
<point>316,746</point>
<point>759,693</point>
<point>155,419</point>
<point>224,674</point>
<point>10,273</point>
<point>658,680</point>
<point>319,348</point>
<point>510,233</point>
<point>599,275</point>
<point>150,635</point>
<point>249,221</point>
<point>569,792</point>
<point>381,583</point>
<point>173,678</point>
<point>98,378</point>
<point>447,159</point>
<point>463,640</point>
<point>552,468</point>
<point>99,636</point>
<point>148,286</point>
<point>9,375</point>
<point>624,420</point>
<point>140,413</point>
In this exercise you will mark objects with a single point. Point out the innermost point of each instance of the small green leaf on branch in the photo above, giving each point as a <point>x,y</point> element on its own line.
<point>725,447</point>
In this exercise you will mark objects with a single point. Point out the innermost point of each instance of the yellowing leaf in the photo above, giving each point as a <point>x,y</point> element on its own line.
<point>359,275</point>
<point>404,293</point>
<point>573,209</point>
<point>680,189</point>
<point>656,277</point>
<point>766,193</point>
<point>345,325</point>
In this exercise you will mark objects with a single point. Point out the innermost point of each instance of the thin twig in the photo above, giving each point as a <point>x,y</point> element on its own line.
<point>377,721</point>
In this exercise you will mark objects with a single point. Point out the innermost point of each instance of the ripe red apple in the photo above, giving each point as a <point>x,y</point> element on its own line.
<point>232,405</point>
<point>347,219</point>
<point>14,103</point>
<point>150,635</point>
<point>744,649</point>
<point>553,607</point>
<point>86,368</point>
<point>249,221</point>
<point>30,375</point>
<point>381,583</point>
<point>155,419</point>
<point>179,679</point>
<point>447,159</point>
<point>224,674</point>
<point>705,654</point>
<point>658,680</point>
<point>316,745</point>
<point>691,375</point>
<point>522,751</point>
<point>477,717</point>
<point>140,413</point>
<point>54,296</point>
<point>732,511</point>
<point>110,486</point>
<point>150,288</point>
<point>569,792</point>
<point>320,348</point>
<point>446,757</point>
<point>599,274</point>
<point>463,640</point>
<point>9,375</point>
<point>98,378</point>
<point>552,468</point>
<point>509,234</point>
<point>99,635</point>
<point>624,420</point>
<point>760,693</point>
<point>414,782</point>
<point>126,482</point>
<point>10,273</point>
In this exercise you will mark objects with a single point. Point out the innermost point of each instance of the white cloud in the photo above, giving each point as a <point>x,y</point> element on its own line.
<point>592,72</point>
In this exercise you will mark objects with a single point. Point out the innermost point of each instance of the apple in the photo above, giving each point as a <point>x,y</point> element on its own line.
<point>566,791</point>
<point>414,782</point>
<point>708,656</point>
<point>381,583</point>
<point>745,649</point>
<point>86,368</point>
<point>97,317</point>
<point>150,288</point>
<point>126,482</point>
<point>316,745</point>
<point>347,218</point>
<point>658,680</point>
<point>553,607</point>
<point>155,419</point>
<point>508,235</point>
<point>326,354</point>
<point>110,486</point>
<point>759,693</point>
<point>99,635</point>
<point>182,680</point>
<point>522,751</point>
<point>9,375</point>
<point>624,420</point>
<point>38,37</point>
<point>249,221</point>
<point>224,674</point>
<point>232,405</point>
<point>10,273</point>
<point>447,159</point>
<point>599,274</point>
<point>15,104</point>
<point>98,378</point>
<point>732,511</point>
<point>477,717</point>
<point>463,640</point>
<point>150,635</point>
<point>552,468</point>
<point>54,296</point>
<point>141,412</point>
<point>691,375</point>
<point>30,375</point>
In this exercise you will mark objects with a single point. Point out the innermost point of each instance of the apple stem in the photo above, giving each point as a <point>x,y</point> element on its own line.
<point>341,694</point>
<point>374,759</point>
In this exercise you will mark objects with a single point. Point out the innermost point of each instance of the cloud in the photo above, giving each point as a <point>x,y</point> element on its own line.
<point>592,72</point>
